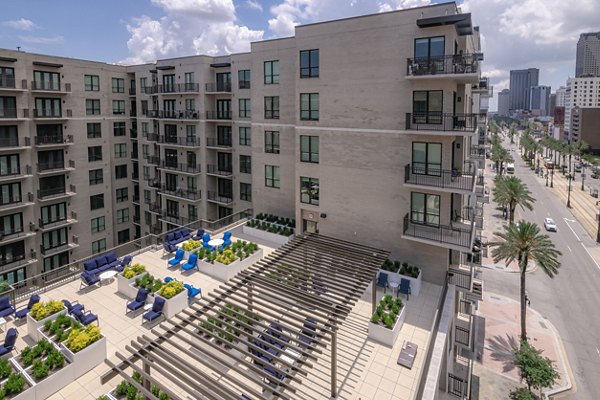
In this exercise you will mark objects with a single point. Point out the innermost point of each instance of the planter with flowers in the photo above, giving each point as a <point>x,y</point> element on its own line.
<point>387,320</point>
<point>271,227</point>
<point>42,312</point>
<point>224,264</point>
<point>85,348</point>
<point>127,277</point>
<point>175,297</point>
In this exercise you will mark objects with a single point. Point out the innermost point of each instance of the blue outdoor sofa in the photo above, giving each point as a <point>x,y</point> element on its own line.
<point>176,237</point>
<point>105,262</point>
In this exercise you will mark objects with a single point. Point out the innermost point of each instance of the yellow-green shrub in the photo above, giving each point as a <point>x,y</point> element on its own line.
<point>171,289</point>
<point>227,257</point>
<point>79,339</point>
<point>191,245</point>
<point>130,272</point>
<point>43,309</point>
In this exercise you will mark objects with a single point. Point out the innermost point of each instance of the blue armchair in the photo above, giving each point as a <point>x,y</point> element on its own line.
<point>169,248</point>
<point>138,302</point>
<point>191,263</point>
<point>177,259</point>
<point>124,263</point>
<point>226,240</point>
<point>24,311</point>
<point>9,342</point>
<point>73,306</point>
<point>404,287</point>
<point>88,279</point>
<point>6,309</point>
<point>382,281</point>
<point>85,318</point>
<point>192,291</point>
<point>156,311</point>
<point>199,234</point>
<point>205,240</point>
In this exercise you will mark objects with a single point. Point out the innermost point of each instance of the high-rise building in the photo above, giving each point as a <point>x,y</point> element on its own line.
<point>521,82</point>
<point>584,126</point>
<point>560,96</point>
<point>503,103</point>
<point>587,62</point>
<point>552,104</point>
<point>539,100</point>
<point>581,92</point>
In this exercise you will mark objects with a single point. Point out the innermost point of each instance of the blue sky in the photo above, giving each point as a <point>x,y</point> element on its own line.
<point>516,33</point>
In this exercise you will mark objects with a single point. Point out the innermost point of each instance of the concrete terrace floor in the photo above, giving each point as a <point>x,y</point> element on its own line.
<point>366,369</point>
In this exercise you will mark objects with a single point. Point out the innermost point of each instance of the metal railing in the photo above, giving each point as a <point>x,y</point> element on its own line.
<point>449,64</point>
<point>457,386</point>
<point>218,115</point>
<point>216,170</point>
<point>150,89</point>
<point>7,81</point>
<point>459,278</point>
<point>215,142</point>
<point>174,219</point>
<point>154,160</point>
<point>10,170</point>
<point>15,142</point>
<point>428,176</point>
<point>482,85</point>
<point>51,165</point>
<point>178,88</point>
<point>180,141</point>
<point>478,152</point>
<point>213,196</point>
<point>214,87</point>
<point>50,86</point>
<point>441,122</point>
<point>132,91</point>
<point>462,336</point>
<point>8,113</point>
<point>182,193</point>
<point>52,223</point>
<point>155,208</point>
<point>55,139</point>
<point>456,234</point>
<point>173,114</point>
<point>189,168</point>
<point>58,191</point>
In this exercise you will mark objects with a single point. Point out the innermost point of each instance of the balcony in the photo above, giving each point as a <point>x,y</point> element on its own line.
<point>463,68</point>
<point>55,193</point>
<point>483,87</point>
<point>459,382</point>
<point>154,182</point>
<point>15,144</point>
<point>50,87</point>
<point>9,114</point>
<point>16,202</point>
<point>477,152</point>
<point>46,252</point>
<point>154,160</point>
<point>186,194</point>
<point>216,170</point>
<point>180,167</point>
<point>155,208</point>
<point>151,90</point>
<point>56,140</point>
<point>57,223</point>
<point>42,113</point>
<point>136,199</point>
<point>175,219</point>
<point>214,87</point>
<point>219,144</point>
<point>156,229</point>
<point>172,114</point>
<point>220,199</point>
<point>467,278</point>
<point>9,83</point>
<point>47,168</point>
<point>136,219</point>
<point>132,92</point>
<point>463,330</point>
<point>178,88</point>
<point>218,115</point>
<point>437,123</point>
<point>456,236</point>
<point>13,172</point>
<point>453,181</point>
<point>134,155</point>
<point>191,141</point>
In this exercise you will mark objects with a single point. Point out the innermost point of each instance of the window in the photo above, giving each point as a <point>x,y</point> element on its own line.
<point>54,213</point>
<point>9,135</point>
<point>96,176</point>
<point>56,261</point>
<point>11,193</point>
<point>94,130</point>
<point>190,104</point>
<point>146,172</point>
<point>11,224</point>
<point>7,77</point>
<point>245,136</point>
<point>224,162</point>
<point>244,78</point>
<point>192,213</point>
<point>143,84</point>
<point>245,108</point>
<point>98,224</point>
<point>92,107</point>
<point>309,106</point>
<point>224,82</point>
<point>54,239</point>
<point>119,128</point>
<point>147,197</point>
<point>10,165</point>
<point>98,246</point>
<point>92,83</point>
<point>45,107</point>
<point>245,164</point>
<point>120,150</point>
<point>118,85</point>
<point>425,208</point>
<point>245,191</point>
<point>172,208</point>
<point>118,106</point>
<point>192,183</point>
<point>272,107</point>
<point>272,176</point>
<point>309,190</point>
<point>46,80</point>
<point>427,107</point>
<point>123,236</point>
<point>12,252</point>
<point>95,153</point>
<point>272,142</point>
<point>145,150</point>
<point>122,215</point>
<point>427,158</point>
<point>309,149</point>
<point>427,48</point>
<point>223,109</point>
<point>309,63</point>
<point>223,135</point>
<point>122,195</point>
<point>97,201</point>
<point>168,83</point>
<point>271,72</point>
<point>121,171</point>
<point>189,78</point>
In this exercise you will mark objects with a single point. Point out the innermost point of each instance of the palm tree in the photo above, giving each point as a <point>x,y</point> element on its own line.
<point>500,156</point>
<point>580,147</point>
<point>510,191</point>
<point>525,243</point>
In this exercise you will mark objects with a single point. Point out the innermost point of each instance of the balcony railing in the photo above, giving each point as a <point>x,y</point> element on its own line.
<point>154,160</point>
<point>8,113</point>
<point>52,140</point>
<point>450,64</point>
<point>218,115</point>
<point>214,196</point>
<point>191,141</point>
<point>156,229</point>
<point>467,277</point>
<point>441,122</point>
<point>132,92</point>
<point>54,223</point>
<point>182,193</point>
<point>483,85</point>
<point>214,87</point>
<point>15,142</point>
<point>216,170</point>
<point>439,178</point>
<point>214,142</point>
<point>7,81</point>
<point>136,219</point>
<point>64,246</point>
<point>49,113</point>
<point>154,183</point>
<point>155,208</point>
<point>134,155</point>
<point>58,191</point>
<point>13,170</point>
<point>173,114</point>
<point>178,88</point>
<point>50,86</point>
<point>175,219</point>
<point>189,168</point>
<point>456,235</point>
<point>47,166</point>
<point>478,152</point>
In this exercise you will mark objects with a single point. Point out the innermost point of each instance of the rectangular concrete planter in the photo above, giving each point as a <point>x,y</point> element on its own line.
<point>124,285</point>
<point>86,359</point>
<point>415,283</point>
<point>383,335</point>
<point>29,392</point>
<point>175,304</point>
<point>270,236</point>
<point>52,383</point>
<point>224,272</point>
<point>33,325</point>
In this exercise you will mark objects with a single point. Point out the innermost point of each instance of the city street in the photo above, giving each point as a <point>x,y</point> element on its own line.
<point>571,300</point>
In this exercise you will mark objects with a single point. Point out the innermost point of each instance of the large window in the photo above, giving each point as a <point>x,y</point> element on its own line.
<point>244,78</point>
<point>245,191</point>
<point>98,224</point>
<point>46,107</point>
<point>9,135</point>
<point>309,63</point>
<point>272,176</point>
<point>94,130</point>
<point>427,158</point>
<point>56,261</point>
<point>123,236</point>
<point>245,108</point>
<point>120,150</point>
<point>272,142</point>
<point>10,165</point>
<point>122,215</point>
<point>97,201</point>
<point>122,195</point>
<point>427,107</point>
<point>11,224</point>
<point>44,80</point>
<point>92,83</point>
<point>309,149</point>
<point>245,164</point>
<point>121,171</point>
<point>271,72</point>
<point>271,107</point>
<point>119,128</point>
<point>92,107</point>
<point>95,153</point>
<point>96,176</point>
<point>309,190</point>
<point>11,193</point>
<point>54,213</point>
<point>55,238</point>
<point>425,208</point>
<point>12,252</point>
<point>99,246</point>
<point>432,47</point>
<point>8,107</point>
<point>7,77</point>
<point>245,136</point>
<point>309,106</point>
<point>118,85</point>
<point>118,107</point>
<point>172,208</point>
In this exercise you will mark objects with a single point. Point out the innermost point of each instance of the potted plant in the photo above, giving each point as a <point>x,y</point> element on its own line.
<point>456,172</point>
<point>85,348</point>
<point>58,330</point>
<point>127,277</point>
<point>42,312</point>
<point>175,297</point>
<point>387,320</point>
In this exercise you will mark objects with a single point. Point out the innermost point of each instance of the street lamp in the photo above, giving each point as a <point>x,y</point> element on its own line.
<point>569,192</point>
<point>583,180</point>
<point>552,178</point>
<point>547,173</point>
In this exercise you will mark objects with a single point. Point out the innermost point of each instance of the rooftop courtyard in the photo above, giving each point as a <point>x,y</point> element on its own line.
<point>187,361</point>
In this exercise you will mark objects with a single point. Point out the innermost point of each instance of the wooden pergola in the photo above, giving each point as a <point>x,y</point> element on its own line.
<point>287,307</point>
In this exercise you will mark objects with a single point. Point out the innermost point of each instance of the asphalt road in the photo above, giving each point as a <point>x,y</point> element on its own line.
<point>570,301</point>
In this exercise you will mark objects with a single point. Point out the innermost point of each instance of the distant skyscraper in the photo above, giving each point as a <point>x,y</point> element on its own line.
<point>561,92</point>
<point>552,104</point>
<point>588,55</point>
<point>539,102</point>
<point>583,93</point>
<point>521,81</point>
<point>503,98</point>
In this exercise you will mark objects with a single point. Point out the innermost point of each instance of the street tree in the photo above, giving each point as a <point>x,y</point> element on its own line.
<point>510,191</point>
<point>537,371</point>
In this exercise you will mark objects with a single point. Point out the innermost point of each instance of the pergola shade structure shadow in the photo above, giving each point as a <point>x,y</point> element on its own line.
<point>261,333</point>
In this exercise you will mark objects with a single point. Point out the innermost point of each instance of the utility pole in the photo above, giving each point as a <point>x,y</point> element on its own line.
<point>569,192</point>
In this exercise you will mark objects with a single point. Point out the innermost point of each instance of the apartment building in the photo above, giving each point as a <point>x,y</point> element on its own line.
<point>581,92</point>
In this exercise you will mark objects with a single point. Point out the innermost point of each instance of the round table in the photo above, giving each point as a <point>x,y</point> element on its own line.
<point>215,242</point>
<point>107,275</point>
<point>394,286</point>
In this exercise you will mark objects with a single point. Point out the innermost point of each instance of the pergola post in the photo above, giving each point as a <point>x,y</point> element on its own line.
<point>333,363</point>
<point>146,367</point>
<point>374,294</point>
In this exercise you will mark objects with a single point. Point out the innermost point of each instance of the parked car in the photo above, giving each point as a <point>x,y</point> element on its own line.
<point>577,167</point>
<point>549,224</point>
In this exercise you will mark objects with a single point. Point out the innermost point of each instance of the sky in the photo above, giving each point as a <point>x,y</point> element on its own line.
<point>515,34</point>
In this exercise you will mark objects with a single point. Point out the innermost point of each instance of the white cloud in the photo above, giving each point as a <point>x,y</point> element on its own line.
<point>401,4</point>
<point>21,24</point>
<point>151,39</point>
<point>289,14</point>
<point>254,5</point>
<point>225,38</point>
<point>213,10</point>
<point>42,39</point>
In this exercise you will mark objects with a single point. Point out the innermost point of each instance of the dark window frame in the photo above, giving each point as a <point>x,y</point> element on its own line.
<point>309,70</point>
<point>272,182</point>
<point>271,78</point>
<point>309,156</point>
<point>308,193</point>
<point>309,114</point>
<point>272,142</point>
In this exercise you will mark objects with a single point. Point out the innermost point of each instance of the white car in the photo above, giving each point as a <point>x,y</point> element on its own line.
<point>549,224</point>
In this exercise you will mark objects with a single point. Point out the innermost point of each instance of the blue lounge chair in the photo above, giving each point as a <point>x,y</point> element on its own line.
<point>226,240</point>
<point>6,309</point>
<point>192,291</point>
<point>73,306</point>
<point>198,235</point>
<point>24,311</point>
<point>156,311</point>
<point>88,279</point>
<point>382,281</point>
<point>191,263</point>
<point>85,318</point>
<point>138,302</point>
<point>308,331</point>
<point>404,287</point>
<point>205,240</point>
<point>177,259</point>
<point>9,342</point>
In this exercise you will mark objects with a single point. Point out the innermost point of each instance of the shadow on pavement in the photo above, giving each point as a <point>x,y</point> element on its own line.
<point>502,350</point>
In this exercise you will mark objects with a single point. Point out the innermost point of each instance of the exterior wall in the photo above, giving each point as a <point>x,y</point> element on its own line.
<point>520,83</point>
<point>584,125</point>
<point>587,62</point>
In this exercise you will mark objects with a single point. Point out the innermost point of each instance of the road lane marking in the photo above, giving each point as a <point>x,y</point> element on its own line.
<point>589,254</point>
<point>567,222</point>
<point>598,351</point>
<point>569,249</point>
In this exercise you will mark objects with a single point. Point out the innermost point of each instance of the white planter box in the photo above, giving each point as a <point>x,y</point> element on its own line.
<point>33,325</point>
<point>272,237</point>
<point>383,335</point>
<point>86,359</point>
<point>415,283</point>
<point>124,285</point>
<point>52,383</point>
<point>29,392</point>
<point>175,304</point>
<point>224,272</point>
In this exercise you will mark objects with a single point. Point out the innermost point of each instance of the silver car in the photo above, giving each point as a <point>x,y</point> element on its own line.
<point>549,224</point>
